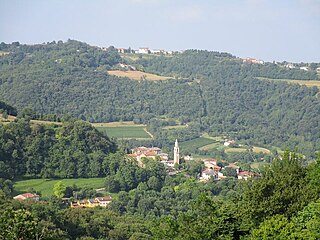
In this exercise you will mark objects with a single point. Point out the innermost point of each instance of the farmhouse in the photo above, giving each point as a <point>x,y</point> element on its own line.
<point>144,50</point>
<point>26,196</point>
<point>253,60</point>
<point>304,68</point>
<point>90,203</point>
<point>229,142</point>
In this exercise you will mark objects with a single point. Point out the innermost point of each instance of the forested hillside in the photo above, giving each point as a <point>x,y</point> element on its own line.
<point>72,150</point>
<point>211,92</point>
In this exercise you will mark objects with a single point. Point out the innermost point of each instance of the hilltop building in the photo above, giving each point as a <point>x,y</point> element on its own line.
<point>176,154</point>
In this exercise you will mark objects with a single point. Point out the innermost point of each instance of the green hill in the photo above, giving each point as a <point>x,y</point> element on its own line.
<point>214,92</point>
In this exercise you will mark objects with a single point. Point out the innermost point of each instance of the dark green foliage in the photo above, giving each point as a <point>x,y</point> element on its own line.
<point>7,109</point>
<point>75,149</point>
<point>217,93</point>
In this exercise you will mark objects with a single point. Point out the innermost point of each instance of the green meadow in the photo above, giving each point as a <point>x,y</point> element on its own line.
<point>45,186</point>
<point>196,143</point>
<point>137,132</point>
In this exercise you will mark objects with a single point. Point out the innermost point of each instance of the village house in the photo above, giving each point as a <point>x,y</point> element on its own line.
<point>104,201</point>
<point>122,50</point>
<point>245,175</point>
<point>229,142</point>
<point>304,68</point>
<point>144,50</point>
<point>207,174</point>
<point>253,60</point>
<point>234,166</point>
<point>290,66</point>
<point>26,196</point>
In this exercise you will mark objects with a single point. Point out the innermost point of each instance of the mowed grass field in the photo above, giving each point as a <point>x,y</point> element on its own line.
<point>126,130</point>
<point>138,75</point>
<point>308,83</point>
<point>45,186</point>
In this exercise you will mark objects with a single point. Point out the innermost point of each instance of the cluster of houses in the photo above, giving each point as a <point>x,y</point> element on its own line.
<point>87,203</point>
<point>90,203</point>
<point>304,68</point>
<point>214,171</point>
<point>287,65</point>
<point>156,153</point>
<point>253,60</point>
<point>145,50</point>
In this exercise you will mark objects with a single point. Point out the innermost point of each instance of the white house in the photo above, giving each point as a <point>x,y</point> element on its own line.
<point>304,68</point>
<point>104,201</point>
<point>144,50</point>
<point>208,173</point>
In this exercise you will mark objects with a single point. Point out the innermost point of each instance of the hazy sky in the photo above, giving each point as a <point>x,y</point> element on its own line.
<point>266,29</point>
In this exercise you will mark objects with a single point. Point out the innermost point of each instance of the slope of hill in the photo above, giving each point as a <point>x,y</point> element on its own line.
<point>216,92</point>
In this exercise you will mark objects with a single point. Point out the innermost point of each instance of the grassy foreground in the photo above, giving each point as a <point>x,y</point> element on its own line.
<point>45,186</point>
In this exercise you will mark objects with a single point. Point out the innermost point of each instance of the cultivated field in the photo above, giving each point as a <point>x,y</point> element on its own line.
<point>235,150</point>
<point>196,143</point>
<point>138,75</point>
<point>126,132</point>
<point>45,186</point>
<point>308,83</point>
<point>118,124</point>
<point>260,149</point>
<point>215,145</point>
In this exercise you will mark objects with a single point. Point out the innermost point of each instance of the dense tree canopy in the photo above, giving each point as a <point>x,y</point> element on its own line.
<point>210,91</point>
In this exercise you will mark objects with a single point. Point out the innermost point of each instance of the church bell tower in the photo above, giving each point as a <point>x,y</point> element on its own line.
<point>176,156</point>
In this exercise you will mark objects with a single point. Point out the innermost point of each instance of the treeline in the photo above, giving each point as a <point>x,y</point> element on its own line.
<point>7,109</point>
<point>199,64</point>
<point>283,203</point>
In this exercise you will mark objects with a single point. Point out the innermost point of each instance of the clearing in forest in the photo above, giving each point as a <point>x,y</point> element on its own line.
<point>126,130</point>
<point>308,83</point>
<point>45,186</point>
<point>138,75</point>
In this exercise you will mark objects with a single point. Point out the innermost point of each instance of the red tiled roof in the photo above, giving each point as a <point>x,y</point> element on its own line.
<point>150,154</point>
<point>246,173</point>
<point>102,199</point>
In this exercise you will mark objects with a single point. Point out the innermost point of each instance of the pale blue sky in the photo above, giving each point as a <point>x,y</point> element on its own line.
<point>266,29</point>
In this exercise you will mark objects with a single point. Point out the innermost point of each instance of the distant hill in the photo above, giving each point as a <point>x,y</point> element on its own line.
<point>215,93</point>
